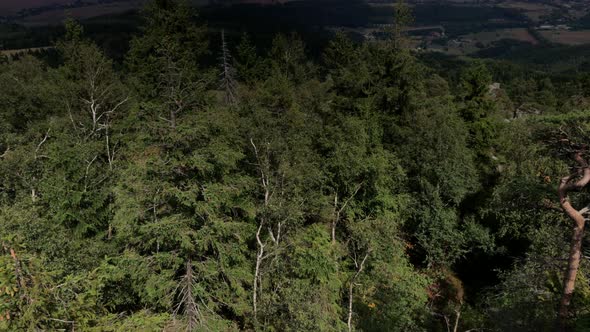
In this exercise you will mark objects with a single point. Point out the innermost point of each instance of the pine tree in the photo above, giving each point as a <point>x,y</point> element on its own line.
<point>164,60</point>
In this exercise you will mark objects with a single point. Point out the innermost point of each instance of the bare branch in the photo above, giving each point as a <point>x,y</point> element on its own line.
<point>87,171</point>
<point>42,142</point>
<point>351,287</point>
<point>259,258</point>
<point>358,187</point>
<point>338,212</point>
<point>187,300</point>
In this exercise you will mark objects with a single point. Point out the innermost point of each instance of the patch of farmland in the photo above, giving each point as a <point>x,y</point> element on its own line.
<point>566,37</point>
<point>534,11</point>
<point>486,37</point>
<point>475,42</point>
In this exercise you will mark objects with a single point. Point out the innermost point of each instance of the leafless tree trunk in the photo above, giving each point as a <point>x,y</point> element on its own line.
<point>187,300</point>
<point>457,317</point>
<point>228,73</point>
<point>110,150</point>
<point>567,185</point>
<point>102,102</point>
<point>98,98</point>
<point>37,156</point>
<point>259,258</point>
<point>272,186</point>
<point>359,268</point>
<point>447,320</point>
<point>264,179</point>
<point>336,218</point>
<point>87,172</point>
<point>41,143</point>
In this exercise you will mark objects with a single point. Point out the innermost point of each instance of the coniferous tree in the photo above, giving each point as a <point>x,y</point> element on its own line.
<point>362,192</point>
<point>164,60</point>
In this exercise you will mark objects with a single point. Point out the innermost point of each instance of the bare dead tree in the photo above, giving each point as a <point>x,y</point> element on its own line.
<point>187,302</point>
<point>96,91</point>
<point>265,181</point>
<point>228,73</point>
<point>359,269</point>
<point>259,258</point>
<point>275,233</point>
<point>100,99</point>
<point>41,144</point>
<point>110,150</point>
<point>99,95</point>
<point>570,183</point>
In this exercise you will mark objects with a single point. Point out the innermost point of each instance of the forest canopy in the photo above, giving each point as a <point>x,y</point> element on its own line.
<point>208,183</point>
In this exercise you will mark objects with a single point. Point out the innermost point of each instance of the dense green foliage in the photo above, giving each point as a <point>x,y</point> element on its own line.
<point>358,191</point>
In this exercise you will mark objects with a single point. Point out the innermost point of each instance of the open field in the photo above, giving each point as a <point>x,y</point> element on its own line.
<point>555,12</point>
<point>534,11</point>
<point>577,37</point>
<point>472,43</point>
<point>486,37</point>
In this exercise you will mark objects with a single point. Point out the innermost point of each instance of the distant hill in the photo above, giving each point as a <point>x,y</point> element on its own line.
<point>51,12</point>
<point>10,7</point>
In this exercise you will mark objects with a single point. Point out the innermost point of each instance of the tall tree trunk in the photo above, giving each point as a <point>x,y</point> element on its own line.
<point>360,268</point>
<point>350,301</point>
<point>457,317</point>
<point>575,254</point>
<point>191,309</point>
<point>259,258</point>
<point>187,301</point>
<point>573,265</point>
<point>264,180</point>
<point>335,219</point>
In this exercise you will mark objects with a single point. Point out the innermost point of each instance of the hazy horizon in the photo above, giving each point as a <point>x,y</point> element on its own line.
<point>11,6</point>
